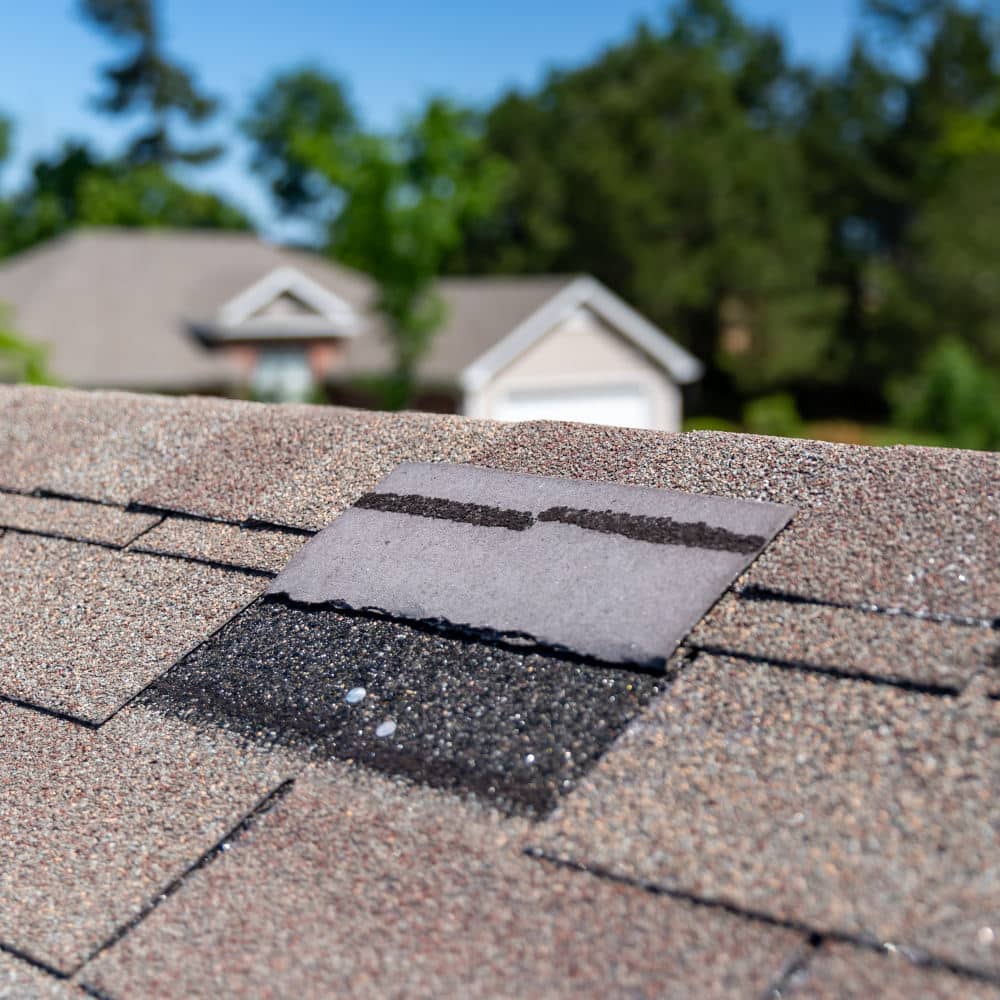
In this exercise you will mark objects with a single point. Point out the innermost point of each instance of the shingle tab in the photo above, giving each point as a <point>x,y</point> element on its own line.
<point>101,445</point>
<point>393,892</point>
<point>302,465</point>
<point>95,824</point>
<point>854,807</point>
<point>865,643</point>
<point>246,548</point>
<point>515,727</point>
<point>605,571</point>
<point>90,522</point>
<point>85,628</point>
<point>913,528</point>
<point>21,981</point>
<point>842,972</point>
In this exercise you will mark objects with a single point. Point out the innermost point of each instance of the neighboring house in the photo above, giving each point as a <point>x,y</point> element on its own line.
<point>200,311</point>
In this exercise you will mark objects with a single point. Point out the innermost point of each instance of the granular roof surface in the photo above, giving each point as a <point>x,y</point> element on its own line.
<point>205,791</point>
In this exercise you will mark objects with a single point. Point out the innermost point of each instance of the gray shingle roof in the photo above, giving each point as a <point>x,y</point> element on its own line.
<point>127,293</point>
<point>479,313</point>
<point>815,775</point>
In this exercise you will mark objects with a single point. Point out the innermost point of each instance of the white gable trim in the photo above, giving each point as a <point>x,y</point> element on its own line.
<point>682,366</point>
<point>289,281</point>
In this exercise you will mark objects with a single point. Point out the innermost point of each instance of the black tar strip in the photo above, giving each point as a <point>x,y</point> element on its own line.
<point>447,510</point>
<point>659,530</point>
<point>639,527</point>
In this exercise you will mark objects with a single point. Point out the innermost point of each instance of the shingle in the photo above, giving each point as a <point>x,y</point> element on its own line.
<point>913,528</point>
<point>89,522</point>
<point>493,551</point>
<point>97,823</point>
<point>410,893</point>
<point>842,972</point>
<point>864,643</point>
<point>211,541</point>
<point>85,627</point>
<point>848,806</point>
<point>103,445</point>
<point>302,465</point>
<point>515,727</point>
<point>21,981</point>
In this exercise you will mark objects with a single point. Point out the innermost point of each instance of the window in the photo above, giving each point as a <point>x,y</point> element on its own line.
<point>282,375</point>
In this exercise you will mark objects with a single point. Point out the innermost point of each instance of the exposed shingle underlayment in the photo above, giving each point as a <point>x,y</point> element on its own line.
<point>827,783</point>
<point>604,571</point>
<point>226,544</point>
<point>90,522</point>
<point>85,628</point>
<point>513,726</point>
<point>843,972</point>
<point>96,824</point>
<point>850,807</point>
<point>409,894</point>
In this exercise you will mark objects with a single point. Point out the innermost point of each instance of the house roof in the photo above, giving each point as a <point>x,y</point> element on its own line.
<point>127,295</point>
<point>479,312</point>
<point>139,301</point>
<point>490,320</point>
<point>196,802</point>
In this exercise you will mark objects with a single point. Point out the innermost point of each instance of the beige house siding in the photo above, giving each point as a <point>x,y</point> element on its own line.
<point>582,352</point>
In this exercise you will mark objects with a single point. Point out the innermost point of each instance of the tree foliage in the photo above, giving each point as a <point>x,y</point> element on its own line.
<point>395,205</point>
<point>146,81</point>
<point>77,187</point>
<point>301,102</point>
<point>670,169</point>
<point>20,360</point>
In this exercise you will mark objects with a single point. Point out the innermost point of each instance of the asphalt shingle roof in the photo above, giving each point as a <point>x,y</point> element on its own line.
<point>194,800</point>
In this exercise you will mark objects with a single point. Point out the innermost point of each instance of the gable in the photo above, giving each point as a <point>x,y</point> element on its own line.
<point>284,305</point>
<point>287,294</point>
<point>580,344</point>
<point>682,366</point>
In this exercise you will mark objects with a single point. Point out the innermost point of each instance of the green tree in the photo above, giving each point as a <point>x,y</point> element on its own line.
<point>953,395</point>
<point>147,82</point>
<point>299,102</point>
<point>669,168</point>
<point>77,187</point>
<point>396,204</point>
<point>20,361</point>
<point>881,138</point>
<point>149,197</point>
<point>5,137</point>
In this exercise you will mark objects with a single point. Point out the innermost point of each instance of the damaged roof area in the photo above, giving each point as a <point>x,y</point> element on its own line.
<point>212,790</point>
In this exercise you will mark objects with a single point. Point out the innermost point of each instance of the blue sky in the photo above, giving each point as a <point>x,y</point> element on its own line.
<point>393,53</point>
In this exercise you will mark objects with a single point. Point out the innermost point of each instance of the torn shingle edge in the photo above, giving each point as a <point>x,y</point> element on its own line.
<point>637,527</point>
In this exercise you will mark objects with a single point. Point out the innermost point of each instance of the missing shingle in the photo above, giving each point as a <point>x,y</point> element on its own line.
<point>657,530</point>
<point>518,728</point>
<point>605,593</point>
<point>480,515</point>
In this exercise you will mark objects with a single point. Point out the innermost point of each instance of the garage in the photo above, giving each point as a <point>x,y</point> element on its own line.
<point>617,405</point>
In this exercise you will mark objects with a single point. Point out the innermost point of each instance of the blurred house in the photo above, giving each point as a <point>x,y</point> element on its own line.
<point>213,312</point>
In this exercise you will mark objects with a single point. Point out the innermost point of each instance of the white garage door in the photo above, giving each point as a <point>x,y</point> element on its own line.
<point>620,406</point>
